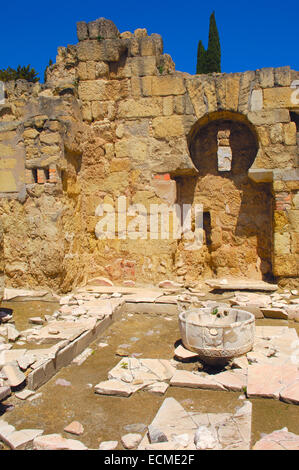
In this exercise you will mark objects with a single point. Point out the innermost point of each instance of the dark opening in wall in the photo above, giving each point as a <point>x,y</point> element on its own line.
<point>207,229</point>
<point>47,174</point>
<point>295,118</point>
<point>34,174</point>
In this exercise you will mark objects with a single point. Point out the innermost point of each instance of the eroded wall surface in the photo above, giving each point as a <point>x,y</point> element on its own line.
<point>115,119</point>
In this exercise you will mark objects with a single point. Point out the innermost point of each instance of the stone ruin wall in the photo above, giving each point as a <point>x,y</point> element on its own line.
<point>113,119</point>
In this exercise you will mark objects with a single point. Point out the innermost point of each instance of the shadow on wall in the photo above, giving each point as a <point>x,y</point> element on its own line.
<point>237,212</point>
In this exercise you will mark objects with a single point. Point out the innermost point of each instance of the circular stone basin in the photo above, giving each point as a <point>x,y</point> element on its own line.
<point>217,335</point>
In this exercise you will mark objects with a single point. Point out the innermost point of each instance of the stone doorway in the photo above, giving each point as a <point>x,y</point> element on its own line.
<point>237,211</point>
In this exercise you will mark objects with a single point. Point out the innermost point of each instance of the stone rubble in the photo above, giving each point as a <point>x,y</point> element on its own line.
<point>269,370</point>
<point>176,429</point>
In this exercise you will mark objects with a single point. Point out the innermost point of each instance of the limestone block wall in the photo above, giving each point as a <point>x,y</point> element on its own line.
<point>115,119</point>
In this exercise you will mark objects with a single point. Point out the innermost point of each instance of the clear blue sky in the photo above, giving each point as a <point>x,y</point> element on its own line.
<point>254,34</point>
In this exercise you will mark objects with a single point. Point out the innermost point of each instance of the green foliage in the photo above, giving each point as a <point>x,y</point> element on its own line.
<point>209,61</point>
<point>213,57</point>
<point>21,73</point>
<point>161,69</point>
<point>215,311</point>
<point>201,58</point>
<point>100,38</point>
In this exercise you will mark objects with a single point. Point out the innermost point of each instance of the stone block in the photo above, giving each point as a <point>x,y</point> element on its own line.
<point>168,85</point>
<point>82,31</point>
<point>65,356</point>
<point>268,116</point>
<point>157,38</point>
<point>266,77</point>
<point>41,375</point>
<point>285,265</point>
<point>147,46</point>
<point>107,29</point>
<point>172,126</point>
<point>282,76</point>
<point>256,100</point>
<point>279,97</point>
<point>99,90</point>
<point>144,107</point>
<point>108,50</point>
<point>282,243</point>
<point>276,133</point>
<point>141,66</point>
<point>290,133</point>
<point>294,220</point>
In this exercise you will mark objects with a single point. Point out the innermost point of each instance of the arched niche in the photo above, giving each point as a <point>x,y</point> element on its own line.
<point>237,211</point>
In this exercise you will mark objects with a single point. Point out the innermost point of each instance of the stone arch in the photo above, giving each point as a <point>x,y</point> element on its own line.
<point>241,129</point>
<point>237,211</point>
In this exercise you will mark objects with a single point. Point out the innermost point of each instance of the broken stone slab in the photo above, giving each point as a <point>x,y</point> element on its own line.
<point>63,330</point>
<point>184,378</point>
<point>113,387</point>
<point>278,440</point>
<point>166,299</point>
<point>142,298</point>
<point>168,284</point>
<point>5,392</point>
<point>184,354</point>
<point>108,445</point>
<point>131,440</point>
<point>290,394</point>
<point>13,373</point>
<point>11,293</point>
<point>270,381</point>
<point>74,428</point>
<point>223,284</point>
<point>158,387</point>
<point>7,356</point>
<point>19,440</point>
<point>36,321</point>
<point>276,313</point>
<point>240,362</point>
<point>170,419</point>
<point>234,380</point>
<point>57,442</point>
<point>5,429</point>
<point>24,394</point>
<point>133,370</point>
<point>12,333</point>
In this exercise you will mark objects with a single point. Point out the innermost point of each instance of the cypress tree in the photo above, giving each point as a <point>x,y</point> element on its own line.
<point>201,58</point>
<point>213,55</point>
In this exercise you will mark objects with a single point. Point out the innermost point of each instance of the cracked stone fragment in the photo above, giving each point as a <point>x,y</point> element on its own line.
<point>57,442</point>
<point>13,373</point>
<point>113,387</point>
<point>131,440</point>
<point>278,440</point>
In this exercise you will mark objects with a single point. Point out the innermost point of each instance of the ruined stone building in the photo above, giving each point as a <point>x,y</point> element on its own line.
<point>114,119</point>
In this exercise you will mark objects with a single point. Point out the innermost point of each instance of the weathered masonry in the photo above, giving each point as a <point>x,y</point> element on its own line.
<point>114,119</point>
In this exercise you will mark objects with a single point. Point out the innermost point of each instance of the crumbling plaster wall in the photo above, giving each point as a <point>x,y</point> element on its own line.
<point>115,119</point>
